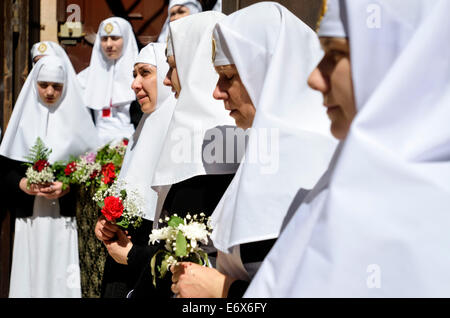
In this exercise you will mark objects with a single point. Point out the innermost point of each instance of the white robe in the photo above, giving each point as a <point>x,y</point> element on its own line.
<point>45,255</point>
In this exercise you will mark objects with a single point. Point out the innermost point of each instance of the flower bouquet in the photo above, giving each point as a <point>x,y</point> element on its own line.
<point>120,206</point>
<point>110,158</point>
<point>39,169</point>
<point>82,170</point>
<point>183,239</point>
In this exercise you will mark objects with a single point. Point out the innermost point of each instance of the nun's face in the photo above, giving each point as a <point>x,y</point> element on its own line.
<point>232,91</point>
<point>177,12</point>
<point>145,87</point>
<point>112,47</point>
<point>333,79</point>
<point>172,79</point>
<point>50,92</point>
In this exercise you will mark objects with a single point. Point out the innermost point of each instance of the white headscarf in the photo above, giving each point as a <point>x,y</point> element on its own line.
<point>110,81</point>
<point>51,48</point>
<point>377,226</point>
<point>65,127</point>
<point>196,111</point>
<point>145,146</point>
<point>259,40</point>
<point>44,48</point>
<point>194,7</point>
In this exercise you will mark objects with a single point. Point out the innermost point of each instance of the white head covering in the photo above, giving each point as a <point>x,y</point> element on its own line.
<point>51,48</point>
<point>145,146</point>
<point>196,110</point>
<point>331,24</point>
<point>65,127</point>
<point>110,81</point>
<point>194,7</point>
<point>218,6</point>
<point>44,48</point>
<point>378,224</point>
<point>260,39</point>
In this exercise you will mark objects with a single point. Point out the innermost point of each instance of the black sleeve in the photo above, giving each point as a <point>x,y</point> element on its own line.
<point>139,259</point>
<point>196,195</point>
<point>256,251</point>
<point>135,113</point>
<point>11,173</point>
<point>237,289</point>
<point>139,256</point>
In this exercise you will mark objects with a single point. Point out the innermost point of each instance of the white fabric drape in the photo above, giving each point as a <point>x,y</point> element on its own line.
<point>196,111</point>
<point>66,127</point>
<point>377,223</point>
<point>109,82</point>
<point>45,253</point>
<point>260,39</point>
<point>143,151</point>
<point>194,7</point>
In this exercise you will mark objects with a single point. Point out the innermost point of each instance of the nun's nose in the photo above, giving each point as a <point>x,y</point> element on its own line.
<point>317,81</point>
<point>50,91</point>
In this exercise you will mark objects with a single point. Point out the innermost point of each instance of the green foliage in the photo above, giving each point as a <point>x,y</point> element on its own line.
<point>181,245</point>
<point>38,152</point>
<point>153,265</point>
<point>175,221</point>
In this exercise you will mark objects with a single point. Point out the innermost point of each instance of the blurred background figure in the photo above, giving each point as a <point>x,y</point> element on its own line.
<point>107,81</point>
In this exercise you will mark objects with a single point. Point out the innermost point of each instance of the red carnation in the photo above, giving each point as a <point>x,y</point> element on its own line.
<point>70,168</point>
<point>113,208</point>
<point>40,165</point>
<point>125,142</point>
<point>94,174</point>
<point>109,173</point>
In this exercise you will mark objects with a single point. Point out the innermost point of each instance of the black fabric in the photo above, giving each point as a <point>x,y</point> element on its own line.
<point>253,252</point>
<point>195,195</point>
<point>119,279</point>
<point>20,203</point>
<point>135,113</point>
<point>237,289</point>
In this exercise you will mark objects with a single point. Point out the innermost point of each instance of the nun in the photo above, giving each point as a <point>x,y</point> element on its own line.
<point>45,48</point>
<point>197,184</point>
<point>275,97</point>
<point>377,225</point>
<point>175,10</point>
<point>107,81</point>
<point>45,253</point>
<point>142,155</point>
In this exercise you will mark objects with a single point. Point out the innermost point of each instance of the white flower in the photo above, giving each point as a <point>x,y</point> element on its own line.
<point>195,231</point>
<point>160,234</point>
<point>44,176</point>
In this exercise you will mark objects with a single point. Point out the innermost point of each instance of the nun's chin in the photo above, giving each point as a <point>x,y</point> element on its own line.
<point>147,108</point>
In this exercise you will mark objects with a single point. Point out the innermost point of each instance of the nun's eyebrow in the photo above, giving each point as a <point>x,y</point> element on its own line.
<point>146,67</point>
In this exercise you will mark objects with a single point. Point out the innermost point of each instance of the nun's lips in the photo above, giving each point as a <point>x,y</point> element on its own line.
<point>141,97</point>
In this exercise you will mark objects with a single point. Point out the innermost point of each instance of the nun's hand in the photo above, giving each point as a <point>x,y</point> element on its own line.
<point>53,191</point>
<point>195,281</point>
<point>104,230</point>
<point>120,248</point>
<point>32,190</point>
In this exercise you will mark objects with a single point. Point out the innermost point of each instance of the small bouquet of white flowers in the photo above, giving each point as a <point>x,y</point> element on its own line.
<point>183,239</point>
<point>120,206</point>
<point>39,169</point>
